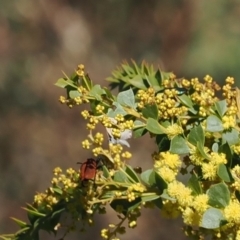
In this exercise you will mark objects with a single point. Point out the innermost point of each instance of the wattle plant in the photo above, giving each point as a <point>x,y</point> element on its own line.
<point>195,125</point>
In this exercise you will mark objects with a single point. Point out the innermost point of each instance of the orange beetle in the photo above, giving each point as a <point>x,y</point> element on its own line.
<point>88,169</point>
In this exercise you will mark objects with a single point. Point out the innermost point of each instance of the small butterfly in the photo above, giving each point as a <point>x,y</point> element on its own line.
<point>126,134</point>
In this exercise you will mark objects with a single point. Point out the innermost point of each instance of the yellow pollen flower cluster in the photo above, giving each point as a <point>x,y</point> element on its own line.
<point>208,79</point>
<point>196,157</point>
<point>167,165</point>
<point>106,121</point>
<point>119,118</point>
<point>191,217</point>
<point>98,139</point>
<point>228,121</point>
<point>236,176</point>
<point>104,233</point>
<point>232,212</point>
<point>173,130</point>
<point>185,83</point>
<point>70,172</point>
<point>100,109</point>
<point>181,193</point>
<point>209,169</point>
<point>80,70</point>
<point>132,224</point>
<point>169,107</point>
<point>116,132</point>
<point>78,100</point>
<point>86,144</point>
<point>131,196</point>
<point>146,97</point>
<point>85,114</point>
<point>62,99</point>
<point>126,155</point>
<point>51,197</point>
<point>236,149</point>
<point>200,203</point>
<point>228,91</point>
<point>232,110</point>
<point>97,151</point>
<point>230,80</point>
<point>170,209</point>
<point>115,148</point>
<point>129,124</point>
<point>39,198</point>
<point>238,235</point>
<point>57,171</point>
<point>138,187</point>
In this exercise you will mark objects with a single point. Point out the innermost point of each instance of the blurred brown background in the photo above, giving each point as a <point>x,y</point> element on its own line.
<point>39,39</point>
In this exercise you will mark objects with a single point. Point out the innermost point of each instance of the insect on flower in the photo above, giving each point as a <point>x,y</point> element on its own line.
<point>126,134</point>
<point>88,169</point>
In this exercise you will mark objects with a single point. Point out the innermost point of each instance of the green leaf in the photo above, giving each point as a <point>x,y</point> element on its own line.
<point>219,195</point>
<point>196,135</point>
<point>163,142</point>
<point>108,93</point>
<point>86,82</point>
<point>154,127</point>
<point>108,194</point>
<point>127,98</point>
<point>232,137</point>
<point>214,124</point>
<point>200,148</point>
<point>74,93</point>
<point>179,145</point>
<point>237,194</point>
<point>157,181</point>
<point>224,173</point>
<point>153,82</point>
<point>106,172</point>
<point>215,147</point>
<point>166,75</point>
<point>138,123</point>
<point>119,176</point>
<point>226,149</point>
<point>149,198</point>
<point>129,170</point>
<point>57,190</point>
<point>158,202</point>
<point>152,179</point>
<point>20,223</point>
<point>158,78</point>
<point>195,185</point>
<point>125,205</point>
<point>138,132</point>
<point>187,101</point>
<point>35,213</point>
<point>150,111</point>
<point>63,83</point>
<point>221,107</point>
<point>146,175</point>
<point>97,92</point>
<point>137,81</point>
<point>165,195</point>
<point>212,218</point>
<point>118,110</point>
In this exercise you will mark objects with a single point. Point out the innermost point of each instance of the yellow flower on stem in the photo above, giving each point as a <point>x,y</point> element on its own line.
<point>181,193</point>
<point>232,212</point>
